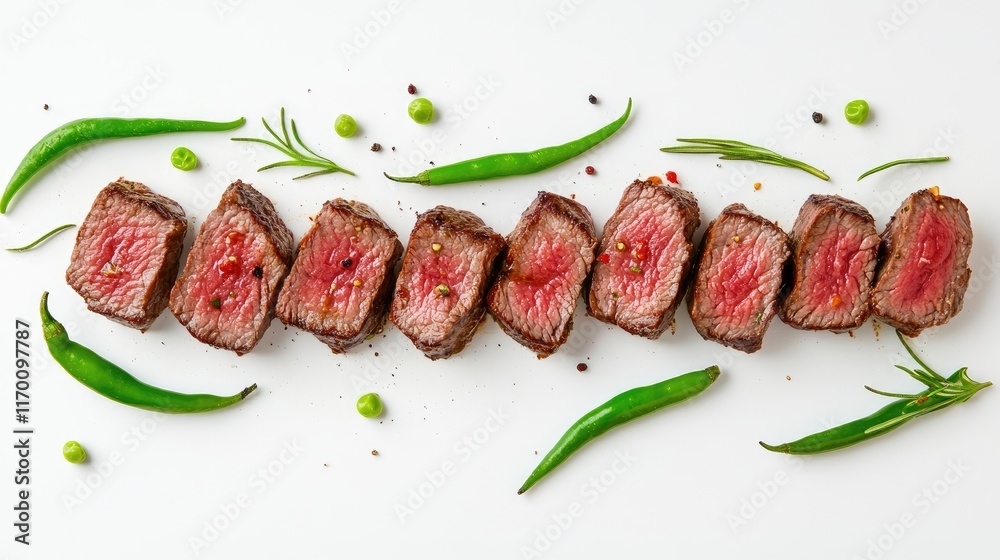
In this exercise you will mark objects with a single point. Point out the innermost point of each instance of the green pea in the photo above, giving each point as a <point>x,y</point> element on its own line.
<point>421,110</point>
<point>345,126</point>
<point>184,159</point>
<point>856,111</point>
<point>74,452</point>
<point>369,405</point>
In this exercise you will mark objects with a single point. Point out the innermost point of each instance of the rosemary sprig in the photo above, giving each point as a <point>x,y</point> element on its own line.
<point>902,161</point>
<point>955,389</point>
<point>298,159</point>
<point>732,149</point>
<point>41,239</point>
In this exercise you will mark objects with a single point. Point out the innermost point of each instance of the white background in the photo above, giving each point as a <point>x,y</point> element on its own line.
<point>699,486</point>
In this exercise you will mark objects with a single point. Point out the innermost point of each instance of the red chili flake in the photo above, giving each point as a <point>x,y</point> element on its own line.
<point>590,170</point>
<point>229,265</point>
<point>411,89</point>
<point>604,258</point>
<point>672,177</point>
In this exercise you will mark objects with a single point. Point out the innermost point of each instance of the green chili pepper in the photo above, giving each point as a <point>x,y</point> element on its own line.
<point>84,131</point>
<point>183,159</point>
<point>621,409</point>
<point>117,384</point>
<point>42,239</point>
<point>520,163</point>
<point>940,393</point>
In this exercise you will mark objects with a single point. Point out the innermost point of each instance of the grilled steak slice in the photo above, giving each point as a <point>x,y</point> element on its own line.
<point>448,266</point>
<point>834,251</point>
<point>923,263</point>
<point>735,290</point>
<point>549,256</point>
<point>340,284</point>
<point>644,259</point>
<point>127,253</point>
<point>226,295</point>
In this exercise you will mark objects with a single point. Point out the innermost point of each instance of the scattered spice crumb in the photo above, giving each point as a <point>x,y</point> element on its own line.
<point>673,326</point>
<point>655,179</point>
<point>394,148</point>
<point>536,453</point>
<point>431,162</point>
<point>589,170</point>
<point>45,107</point>
<point>325,465</point>
<point>375,452</point>
<point>756,186</point>
<point>817,118</point>
<point>411,89</point>
<point>572,196</point>
<point>376,147</point>
<point>788,377</point>
<point>581,367</point>
<point>592,99</point>
<point>376,354</point>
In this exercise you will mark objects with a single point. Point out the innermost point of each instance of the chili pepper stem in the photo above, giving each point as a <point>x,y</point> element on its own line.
<point>50,327</point>
<point>420,178</point>
<point>783,448</point>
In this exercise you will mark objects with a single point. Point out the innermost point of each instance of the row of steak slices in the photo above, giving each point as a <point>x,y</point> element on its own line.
<point>341,284</point>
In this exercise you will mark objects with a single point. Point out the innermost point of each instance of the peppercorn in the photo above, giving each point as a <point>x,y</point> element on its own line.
<point>581,367</point>
<point>46,106</point>
<point>817,118</point>
<point>376,147</point>
<point>590,170</point>
<point>346,263</point>
<point>411,89</point>
<point>258,272</point>
<point>592,99</point>
<point>216,303</point>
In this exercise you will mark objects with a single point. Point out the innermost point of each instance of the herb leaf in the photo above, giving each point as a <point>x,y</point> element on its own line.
<point>736,150</point>
<point>299,159</point>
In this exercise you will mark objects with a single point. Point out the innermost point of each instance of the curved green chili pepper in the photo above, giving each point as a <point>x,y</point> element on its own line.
<point>622,408</point>
<point>113,382</point>
<point>84,131</point>
<point>519,163</point>
<point>940,393</point>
